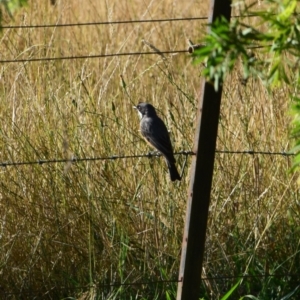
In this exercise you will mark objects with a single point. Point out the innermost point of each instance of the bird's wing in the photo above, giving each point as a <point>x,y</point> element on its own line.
<point>155,132</point>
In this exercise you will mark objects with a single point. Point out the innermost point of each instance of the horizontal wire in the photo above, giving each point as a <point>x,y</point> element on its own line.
<point>250,276</point>
<point>75,159</point>
<point>102,286</point>
<point>139,283</point>
<point>90,56</point>
<point>282,153</point>
<point>106,55</point>
<point>113,22</point>
<point>164,282</point>
<point>149,155</point>
<point>103,23</point>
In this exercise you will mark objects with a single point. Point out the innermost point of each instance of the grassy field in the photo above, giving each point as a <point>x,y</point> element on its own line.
<point>71,230</point>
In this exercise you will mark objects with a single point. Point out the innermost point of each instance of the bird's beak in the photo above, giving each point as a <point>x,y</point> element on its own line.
<point>139,113</point>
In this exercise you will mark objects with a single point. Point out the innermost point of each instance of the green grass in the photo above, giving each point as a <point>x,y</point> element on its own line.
<point>67,230</point>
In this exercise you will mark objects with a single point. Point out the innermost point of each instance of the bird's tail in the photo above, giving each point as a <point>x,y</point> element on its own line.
<point>173,171</point>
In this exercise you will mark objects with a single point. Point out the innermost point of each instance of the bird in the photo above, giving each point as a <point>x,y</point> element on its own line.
<point>155,132</point>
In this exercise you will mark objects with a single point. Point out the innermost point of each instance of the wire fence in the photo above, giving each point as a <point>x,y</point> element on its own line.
<point>148,155</point>
<point>41,59</point>
<point>117,157</point>
<point>139,283</point>
<point>57,25</point>
<point>104,23</point>
<point>189,50</point>
<point>91,56</point>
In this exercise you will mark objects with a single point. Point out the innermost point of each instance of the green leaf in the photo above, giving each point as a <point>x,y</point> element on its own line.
<point>289,295</point>
<point>290,8</point>
<point>229,293</point>
<point>11,6</point>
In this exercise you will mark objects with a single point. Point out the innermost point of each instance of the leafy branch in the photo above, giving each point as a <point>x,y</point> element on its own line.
<point>276,34</point>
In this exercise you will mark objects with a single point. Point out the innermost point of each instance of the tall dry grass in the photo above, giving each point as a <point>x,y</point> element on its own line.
<point>68,228</point>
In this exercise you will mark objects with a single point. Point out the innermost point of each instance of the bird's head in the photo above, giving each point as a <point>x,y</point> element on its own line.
<point>145,109</point>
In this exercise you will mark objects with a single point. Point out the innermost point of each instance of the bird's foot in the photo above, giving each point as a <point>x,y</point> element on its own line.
<point>153,153</point>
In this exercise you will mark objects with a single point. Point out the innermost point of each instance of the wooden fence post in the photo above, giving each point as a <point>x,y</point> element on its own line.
<point>201,179</point>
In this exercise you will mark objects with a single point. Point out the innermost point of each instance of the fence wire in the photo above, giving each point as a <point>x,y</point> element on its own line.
<point>56,25</point>
<point>104,23</point>
<point>115,157</point>
<point>148,155</point>
<point>118,284</point>
<point>22,60</point>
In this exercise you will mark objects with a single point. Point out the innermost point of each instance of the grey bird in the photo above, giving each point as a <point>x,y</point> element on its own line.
<point>155,132</point>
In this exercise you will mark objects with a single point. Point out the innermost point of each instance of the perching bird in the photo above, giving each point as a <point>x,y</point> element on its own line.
<point>156,134</point>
